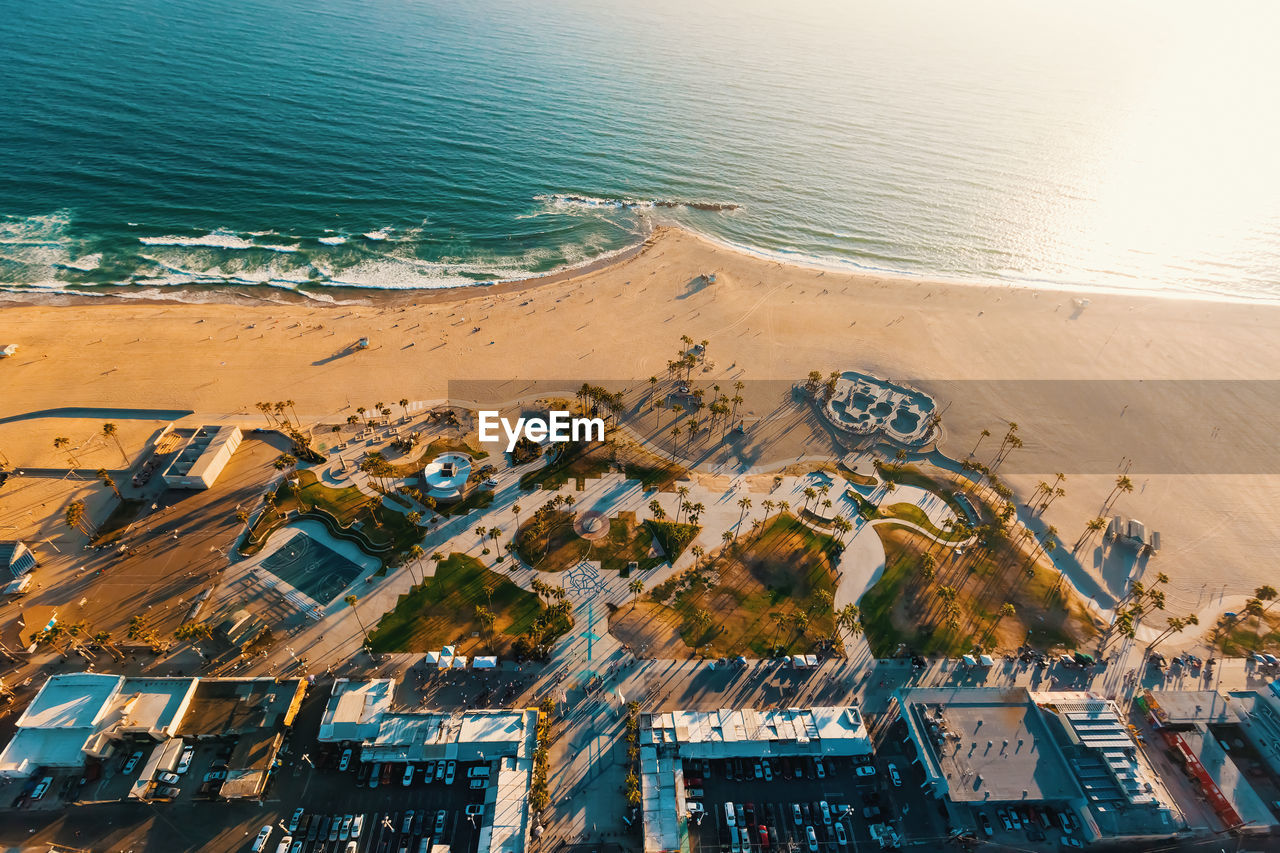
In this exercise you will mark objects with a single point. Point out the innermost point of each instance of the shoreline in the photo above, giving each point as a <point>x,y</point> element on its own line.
<point>338,296</point>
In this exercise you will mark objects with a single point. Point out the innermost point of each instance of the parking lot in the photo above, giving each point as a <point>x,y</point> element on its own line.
<point>781,805</point>
<point>392,816</point>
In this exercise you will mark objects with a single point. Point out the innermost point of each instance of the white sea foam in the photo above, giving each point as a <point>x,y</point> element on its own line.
<point>336,240</point>
<point>215,240</point>
<point>380,234</point>
<point>570,200</point>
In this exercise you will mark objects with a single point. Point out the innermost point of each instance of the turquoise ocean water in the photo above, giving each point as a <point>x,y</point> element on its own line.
<point>171,146</point>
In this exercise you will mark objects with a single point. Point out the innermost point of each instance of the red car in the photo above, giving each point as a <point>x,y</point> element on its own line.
<point>764,837</point>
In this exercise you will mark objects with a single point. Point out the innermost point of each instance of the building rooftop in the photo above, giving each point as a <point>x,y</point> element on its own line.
<point>809,728</point>
<point>355,708</point>
<point>239,705</point>
<point>76,700</point>
<point>149,704</point>
<point>1196,706</point>
<point>987,745</point>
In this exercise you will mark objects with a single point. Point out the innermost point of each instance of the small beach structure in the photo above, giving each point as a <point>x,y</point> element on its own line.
<point>446,475</point>
<point>203,457</point>
<point>16,558</point>
<point>864,405</point>
<point>7,350</point>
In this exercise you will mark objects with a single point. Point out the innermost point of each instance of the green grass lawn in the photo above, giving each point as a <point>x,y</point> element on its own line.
<point>442,611</point>
<point>910,475</point>
<point>561,547</point>
<point>915,515</point>
<point>779,572</point>
<point>1244,636</point>
<point>902,609</point>
<point>352,507</point>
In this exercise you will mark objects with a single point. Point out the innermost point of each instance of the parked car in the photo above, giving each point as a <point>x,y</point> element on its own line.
<point>474,810</point>
<point>756,770</point>
<point>344,830</point>
<point>450,772</point>
<point>768,771</point>
<point>795,814</point>
<point>215,776</point>
<point>894,775</point>
<point>285,844</point>
<point>1004,819</point>
<point>429,772</point>
<point>131,762</point>
<point>407,779</point>
<point>985,823</point>
<point>166,793</point>
<point>375,774</point>
<point>386,774</point>
<point>729,816</point>
<point>184,763</point>
<point>168,778</point>
<point>345,761</point>
<point>819,769</point>
<point>477,784</point>
<point>813,839</point>
<point>260,843</point>
<point>357,824</point>
<point>297,846</point>
<point>335,826</point>
<point>439,770</point>
<point>865,770</point>
<point>826,812</point>
<point>41,787</point>
<point>842,837</point>
<point>441,817</point>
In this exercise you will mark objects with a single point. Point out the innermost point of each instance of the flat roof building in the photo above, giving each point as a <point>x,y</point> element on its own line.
<point>79,716</point>
<point>363,712</point>
<point>16,559</point>
<point>202,458</point>
<point>667,738</point>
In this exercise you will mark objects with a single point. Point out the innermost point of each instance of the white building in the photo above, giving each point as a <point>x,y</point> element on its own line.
<point>666,739</point>
<point>202,458</point>
<point>361,712</point>
<point>16,558</point>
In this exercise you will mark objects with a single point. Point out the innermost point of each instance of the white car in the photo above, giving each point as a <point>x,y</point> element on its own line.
<point>865,770</point>
<point>132,763</point>
<point>285,843</point>
<point>842,838</point>
<point>357,824</point>
<point>344,831</point>
<point>168,778</point>
<point>407,780</point>
<point>474,810</point>
<point>826,812</point>
<point>728,815</point>
<point>295,819</point>
<point>756,770</point>
<point>894,775</point>
<point>184,763</point>
<point>345,761</point>
<point>441,817</point>
<point>813,839</point>
<point>768,771</point>
<point>41,788</point>
<point>429,772</point>
<point>696,808</point>
<point>260,843</point>
<point>450,772</point>
<point>822,771</point>
<point>439,770</point>
<point>795,813</point>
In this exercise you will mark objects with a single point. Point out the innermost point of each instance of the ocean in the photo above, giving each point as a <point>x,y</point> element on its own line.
<point>152,147</point>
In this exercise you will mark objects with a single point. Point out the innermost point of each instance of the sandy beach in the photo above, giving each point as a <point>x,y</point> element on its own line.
<point>1202,477</point>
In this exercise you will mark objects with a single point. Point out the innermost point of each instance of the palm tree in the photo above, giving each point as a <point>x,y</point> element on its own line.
<point>515,509</point>
<point>75,516</point>
<point>265,408</point>
<point>415,554</point>
<point>682,492</point>
<point>809,494</point>
<point>697,551</point>
<point>111,431</point>
<point>849,619</point>
<point>482,533</point>
<point>297,419</point>
<point>636,586</point>
<point>414,518</point>
<point>656,510</point>
<point>744,504</point>
<point>285,460</point>
<point>984,434</point>
<point>64,443</point>
<point>404,404</point>
<point>842,526</point>
<point>110,483</point>
<point>351,602</point>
